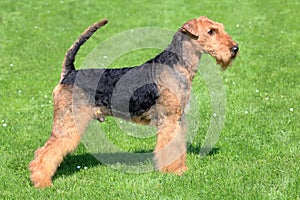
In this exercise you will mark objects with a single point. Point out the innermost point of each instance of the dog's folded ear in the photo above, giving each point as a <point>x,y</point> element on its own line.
<point>190,28</point>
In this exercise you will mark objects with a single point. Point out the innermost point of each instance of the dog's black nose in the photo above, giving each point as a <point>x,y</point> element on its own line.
<point>235,50</point>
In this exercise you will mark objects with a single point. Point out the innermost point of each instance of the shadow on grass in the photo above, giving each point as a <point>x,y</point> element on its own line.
<point>197,150</point>
<point>71,163</point>
<point>74,163</point>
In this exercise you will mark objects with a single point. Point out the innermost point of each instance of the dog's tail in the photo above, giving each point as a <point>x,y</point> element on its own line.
<point>68,64</point>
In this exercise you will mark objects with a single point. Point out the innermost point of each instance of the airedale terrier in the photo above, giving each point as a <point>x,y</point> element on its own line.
<point>161,100</point>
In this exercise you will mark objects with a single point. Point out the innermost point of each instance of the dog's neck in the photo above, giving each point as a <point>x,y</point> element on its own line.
<point>183,46</point>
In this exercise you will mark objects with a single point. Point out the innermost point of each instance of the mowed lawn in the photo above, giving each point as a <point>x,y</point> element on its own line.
<point>257,155</point>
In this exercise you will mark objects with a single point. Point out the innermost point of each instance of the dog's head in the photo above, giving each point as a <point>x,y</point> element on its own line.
<point>210,37</point>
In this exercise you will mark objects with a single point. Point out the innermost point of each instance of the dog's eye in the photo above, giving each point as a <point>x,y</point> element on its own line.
<point>211,32</point>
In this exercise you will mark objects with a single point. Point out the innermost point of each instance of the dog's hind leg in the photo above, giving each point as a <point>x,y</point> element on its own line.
<point>65,136</point>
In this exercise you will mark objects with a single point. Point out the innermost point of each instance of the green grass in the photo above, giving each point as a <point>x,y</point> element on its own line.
<point>258,152</point>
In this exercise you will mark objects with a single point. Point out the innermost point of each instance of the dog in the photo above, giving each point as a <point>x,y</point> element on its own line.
<point>155,93</point>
